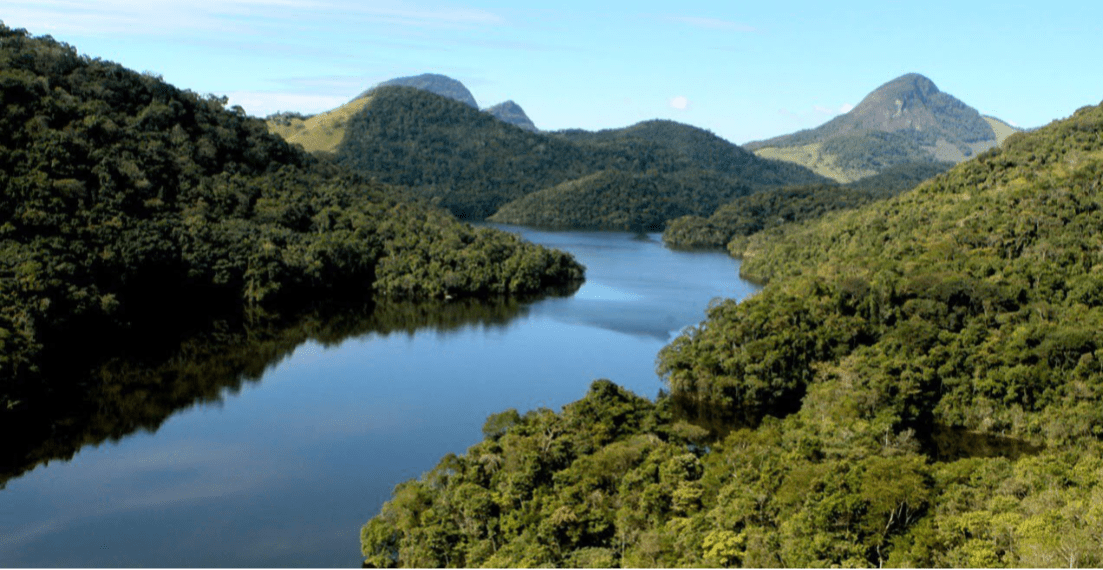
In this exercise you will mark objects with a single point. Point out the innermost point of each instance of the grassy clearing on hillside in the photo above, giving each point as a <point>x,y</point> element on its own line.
<point>322,132</point>
<point>1002,129</point>
<point>811,157</point>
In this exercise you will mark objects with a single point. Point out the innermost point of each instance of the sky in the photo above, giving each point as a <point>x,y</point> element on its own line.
<point>743,70</point>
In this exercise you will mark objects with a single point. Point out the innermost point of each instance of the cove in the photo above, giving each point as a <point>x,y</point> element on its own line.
<point>302,436</point>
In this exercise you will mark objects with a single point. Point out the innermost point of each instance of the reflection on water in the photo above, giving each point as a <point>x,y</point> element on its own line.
<point>269,442</point>
<point>140,389</point>
<point>951,444</point>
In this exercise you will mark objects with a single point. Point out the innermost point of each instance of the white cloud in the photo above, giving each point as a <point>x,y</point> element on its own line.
<point>679,102</point>
<point>150,17</point>
<point>713,24</point>
<point>841,110</point>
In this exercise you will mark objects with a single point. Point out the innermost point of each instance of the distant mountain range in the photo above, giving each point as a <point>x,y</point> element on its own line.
<point>324,131</point>
<point>905,120</point>
<point>445,86</point>
<point>511,113</point>
<point>473,164</point>
<point>434,83</point>
<point>425,133</point>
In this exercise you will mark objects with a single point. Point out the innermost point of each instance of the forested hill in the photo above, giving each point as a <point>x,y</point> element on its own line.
<point>705,150</point>
<point>905,120</point>
<point>473,164</point>
<point>512,113</point>
<point>918,385</point>
<point>750,214</point>
<point>434,83</point>
<point>121,195</point>
<point>625,201</point>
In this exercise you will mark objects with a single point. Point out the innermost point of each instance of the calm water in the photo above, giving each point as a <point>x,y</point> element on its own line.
<point>283,471</point>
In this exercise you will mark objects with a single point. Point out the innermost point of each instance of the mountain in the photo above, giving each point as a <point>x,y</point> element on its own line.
<point>750,214</point>
<point>123,197</point>
<point>704,149</point>
<point>627,201</point>
<point>918,385</point>
<point>434,83</point>
<point>325,131</point>
<point>473,164</point>
<point>1002,128</point>
<point>905,120</point>
<point>511,113</point>
<point>317,133</point>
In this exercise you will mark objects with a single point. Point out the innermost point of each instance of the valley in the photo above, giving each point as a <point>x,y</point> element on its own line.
<point>228,341</point>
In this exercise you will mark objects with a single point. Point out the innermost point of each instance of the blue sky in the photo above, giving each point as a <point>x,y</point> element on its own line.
<point>744,70</point>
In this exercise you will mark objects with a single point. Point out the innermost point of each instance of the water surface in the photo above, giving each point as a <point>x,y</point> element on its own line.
<point>282,468</point>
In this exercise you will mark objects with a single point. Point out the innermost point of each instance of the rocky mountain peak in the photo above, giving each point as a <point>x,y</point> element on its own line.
<point>434,83</point>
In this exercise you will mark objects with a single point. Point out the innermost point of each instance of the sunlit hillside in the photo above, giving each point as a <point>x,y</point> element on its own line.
<point>321,132</point>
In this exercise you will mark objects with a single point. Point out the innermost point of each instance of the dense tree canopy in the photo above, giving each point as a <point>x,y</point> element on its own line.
<point>919,384</point>
<point>473,164</point>
<point>120,193</point>
<point>753,213</point>
<point>705,150</point>
<point>615,200</point>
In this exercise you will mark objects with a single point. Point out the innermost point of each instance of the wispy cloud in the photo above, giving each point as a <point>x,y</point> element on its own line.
<point>840,110</point>
<point>147,17</point>
<point>424,16</point>
<point>713,24</point>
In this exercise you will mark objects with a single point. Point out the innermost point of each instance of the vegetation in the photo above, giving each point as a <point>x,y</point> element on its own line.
<point>318,134</point>
<point>473,164</point>
<point>512,113</point>
<point>910,102</point>
<point>705,151</point>
<point>147,376</point>
<point>1001,128</point>
<point>614,200</point>
<point>433,83</point>
<point>877,150</point>
<point>900,178</point>
<point>907,120</point>
<point>919,384</point>
<point>120,194</point>
<point>754,213</point>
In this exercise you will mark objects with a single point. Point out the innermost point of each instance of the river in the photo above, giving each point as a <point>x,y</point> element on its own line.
<point>281,463</point>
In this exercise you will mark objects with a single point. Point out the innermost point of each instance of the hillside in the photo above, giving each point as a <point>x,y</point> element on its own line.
<point>433,83</point>
<point>918,385</point>
<point>614,200</point>
<point>751,214</point>
<point>122,197</point>
<point>1001,128</point>
<point>905,120</point>
<point>705,151</point>
<point>318,133</point>
<point>323,132</point>
<point>511,113</point>
<point>473,164</point>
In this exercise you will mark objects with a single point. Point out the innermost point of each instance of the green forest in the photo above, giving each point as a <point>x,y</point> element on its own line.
<point>475,165</point>
<point>918,384</point>
<point>753,213</point>
<point>122,196</point>
<point>626,201</point>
